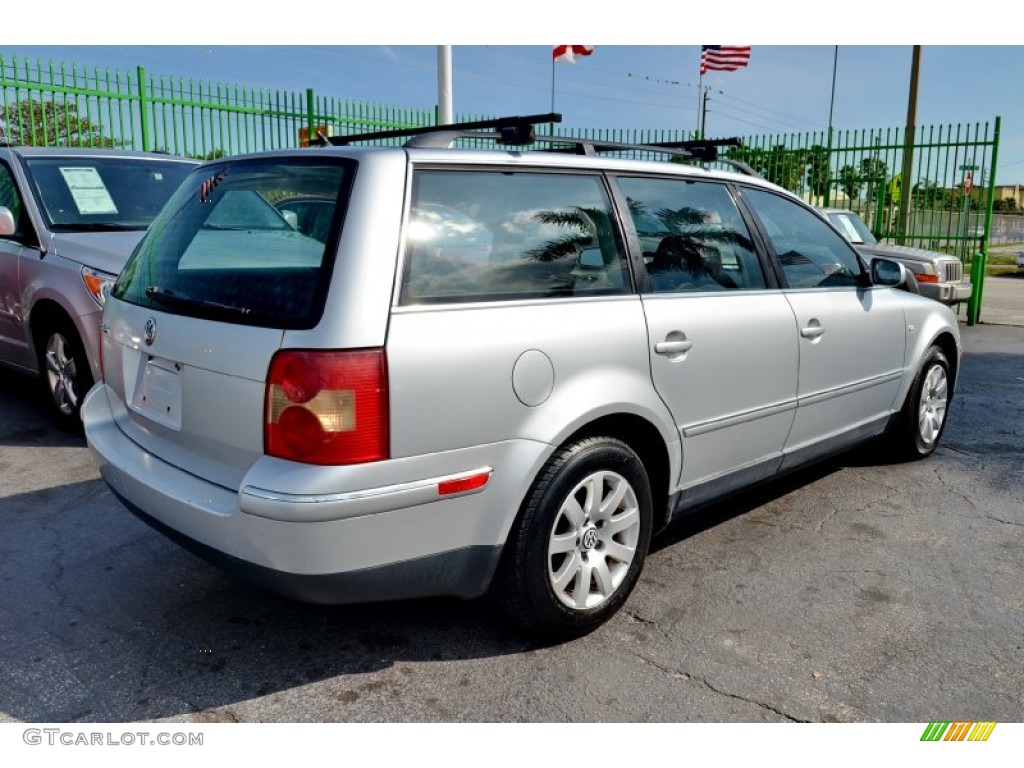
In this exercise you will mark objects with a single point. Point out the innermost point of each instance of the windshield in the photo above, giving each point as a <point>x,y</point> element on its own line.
<point>82,194</point>
<point>852,227</point>
<point>222,248</point>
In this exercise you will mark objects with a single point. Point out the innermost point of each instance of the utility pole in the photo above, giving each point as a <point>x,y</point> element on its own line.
<point>828,149</point>
<point>906,182</point>
<point>703,112</point>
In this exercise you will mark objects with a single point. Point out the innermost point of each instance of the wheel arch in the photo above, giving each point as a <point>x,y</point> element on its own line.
<point>644,439</point>
<point>44,314</point>
<point>947,344</point>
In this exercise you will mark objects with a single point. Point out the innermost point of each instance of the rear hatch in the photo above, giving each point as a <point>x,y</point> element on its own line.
<point>204,303</point>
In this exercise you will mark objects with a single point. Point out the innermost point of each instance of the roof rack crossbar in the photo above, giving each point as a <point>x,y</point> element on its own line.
<point>702,148</point>
<point>519,131</point>
<point>596,146</point>
<point>511,130</point>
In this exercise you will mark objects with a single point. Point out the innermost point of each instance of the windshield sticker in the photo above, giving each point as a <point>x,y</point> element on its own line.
<point>847,228</point>
<point>89,192</point>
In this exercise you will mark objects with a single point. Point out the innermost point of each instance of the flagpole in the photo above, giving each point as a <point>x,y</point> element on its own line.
<point>552,83</point>
<point>551,126</point>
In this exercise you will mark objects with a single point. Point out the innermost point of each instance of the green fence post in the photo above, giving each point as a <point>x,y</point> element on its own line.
<point>143,117</point>
<point>980,260</point>
<point>310,117</point>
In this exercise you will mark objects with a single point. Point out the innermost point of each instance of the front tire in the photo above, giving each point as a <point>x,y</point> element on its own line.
<point>577,549</point>
<point>63,371</point>
<point>923,418</point>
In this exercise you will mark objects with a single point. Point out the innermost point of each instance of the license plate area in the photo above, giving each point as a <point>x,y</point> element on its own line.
<point>158,392</point>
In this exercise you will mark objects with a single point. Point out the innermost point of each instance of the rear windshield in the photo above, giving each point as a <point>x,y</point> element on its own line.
<point>83,194</point>
<point>249,242</point>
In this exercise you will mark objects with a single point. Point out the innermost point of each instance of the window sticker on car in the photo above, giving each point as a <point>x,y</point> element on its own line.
<point>88,191</point>
<point>847,228</point>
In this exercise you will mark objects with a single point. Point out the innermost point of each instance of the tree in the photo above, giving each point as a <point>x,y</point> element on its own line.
<point>928,194</point>
<point>782,166</point>
<point>37,123</point>
<point>213,154</point>
<point>818,170</point>
<point>849,181</point>
<point>873,170</point>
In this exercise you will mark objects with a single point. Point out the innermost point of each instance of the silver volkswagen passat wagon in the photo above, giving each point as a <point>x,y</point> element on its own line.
<point>489,370</point>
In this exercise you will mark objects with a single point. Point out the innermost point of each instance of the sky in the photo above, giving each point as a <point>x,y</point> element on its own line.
<point>786,88</point>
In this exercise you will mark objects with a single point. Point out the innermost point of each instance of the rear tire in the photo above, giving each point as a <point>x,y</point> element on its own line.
<point>923,418</point>
<point>64,371</point>
<point>579,544</point>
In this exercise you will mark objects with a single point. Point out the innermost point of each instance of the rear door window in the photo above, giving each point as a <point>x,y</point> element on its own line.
<point>692,236</point>
<point>494,236</point>
<point>227,246</point>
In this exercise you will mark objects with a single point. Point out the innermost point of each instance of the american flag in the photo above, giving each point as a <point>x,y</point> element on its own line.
<point>723,58</point>
<point>568,53</point>
<point>207,186</point>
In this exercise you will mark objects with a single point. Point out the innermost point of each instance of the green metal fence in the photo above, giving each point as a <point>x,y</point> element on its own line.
<point>67,105</point>
<point>61,105</point>
<point>864,170</point>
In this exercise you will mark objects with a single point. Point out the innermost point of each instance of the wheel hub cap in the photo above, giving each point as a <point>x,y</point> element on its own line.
<point>932,410</point>
<point>61,373</point>
<point>593,540</point>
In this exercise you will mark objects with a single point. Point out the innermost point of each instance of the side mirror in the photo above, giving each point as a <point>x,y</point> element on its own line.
<point>8,226</point>
<point>590,258</point>
<point>888,272</point>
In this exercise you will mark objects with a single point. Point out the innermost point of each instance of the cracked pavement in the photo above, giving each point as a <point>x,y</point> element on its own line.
<point>857,590</point>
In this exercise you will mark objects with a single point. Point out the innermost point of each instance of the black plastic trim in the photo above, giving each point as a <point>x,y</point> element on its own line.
<point>464,573</point>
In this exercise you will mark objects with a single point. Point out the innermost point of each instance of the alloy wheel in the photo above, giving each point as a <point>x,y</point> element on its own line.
<point>593,540</point>
<point>62,373</point>
<point>932,409</point>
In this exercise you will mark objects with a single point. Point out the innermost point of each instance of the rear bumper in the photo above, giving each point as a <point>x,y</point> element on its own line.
<point>364,542</point>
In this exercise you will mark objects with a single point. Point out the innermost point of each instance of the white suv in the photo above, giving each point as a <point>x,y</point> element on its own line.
<point>495,370</point>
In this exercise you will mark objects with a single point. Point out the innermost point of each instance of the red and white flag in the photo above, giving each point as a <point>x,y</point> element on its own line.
<point>568,53</point>
<point>723,58</point>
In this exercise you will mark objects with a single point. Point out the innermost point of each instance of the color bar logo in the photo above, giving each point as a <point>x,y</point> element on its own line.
<point>958,731</point>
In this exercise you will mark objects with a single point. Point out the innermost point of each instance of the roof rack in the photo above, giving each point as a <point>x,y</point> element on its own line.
<point>520,131</point>
<point>513,131</point>
<point>698,150</point>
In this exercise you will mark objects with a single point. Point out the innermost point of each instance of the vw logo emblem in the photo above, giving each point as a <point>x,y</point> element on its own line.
<point>590,539</point>
<point>150,329</point>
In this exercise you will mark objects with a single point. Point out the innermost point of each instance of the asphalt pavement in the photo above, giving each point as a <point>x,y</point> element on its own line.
<point>858,590</point>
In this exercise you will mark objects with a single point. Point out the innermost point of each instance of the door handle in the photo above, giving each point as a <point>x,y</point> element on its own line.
<point>812,331</point>
<point>672,347</point>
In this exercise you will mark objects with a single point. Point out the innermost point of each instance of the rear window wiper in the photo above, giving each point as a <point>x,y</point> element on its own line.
<point>169,297</point>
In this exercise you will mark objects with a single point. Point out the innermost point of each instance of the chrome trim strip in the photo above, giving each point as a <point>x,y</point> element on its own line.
<point>847,389</point>
<point>712,425</point>
<point>306,508</point>
<point>702,428</point>
<point>448,306</point>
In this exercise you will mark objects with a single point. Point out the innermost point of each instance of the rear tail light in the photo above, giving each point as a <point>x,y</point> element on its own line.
<point>327,407</point>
